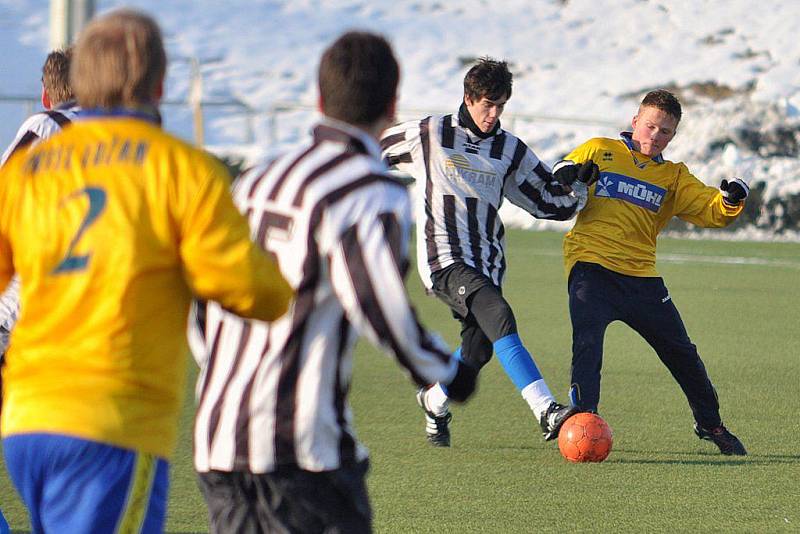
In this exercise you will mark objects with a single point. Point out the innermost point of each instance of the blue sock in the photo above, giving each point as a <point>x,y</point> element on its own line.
<point>457,356</point>
<point>517,361</point>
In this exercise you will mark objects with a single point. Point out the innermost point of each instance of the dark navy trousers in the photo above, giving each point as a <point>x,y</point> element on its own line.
<point>599,296</point>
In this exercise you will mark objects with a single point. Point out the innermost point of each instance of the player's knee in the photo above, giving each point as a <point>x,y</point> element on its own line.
<point>478,355</point>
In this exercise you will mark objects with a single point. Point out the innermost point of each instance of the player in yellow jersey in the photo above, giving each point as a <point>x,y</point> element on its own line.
<point>610,256</point>
<point>112,226</point>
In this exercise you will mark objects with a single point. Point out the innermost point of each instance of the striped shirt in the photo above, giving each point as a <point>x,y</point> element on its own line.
<point>41,126</point>
<point>275,395</point>
<point>465,181</point>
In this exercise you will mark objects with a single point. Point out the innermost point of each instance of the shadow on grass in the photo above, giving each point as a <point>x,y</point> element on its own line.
<point>708,458</point>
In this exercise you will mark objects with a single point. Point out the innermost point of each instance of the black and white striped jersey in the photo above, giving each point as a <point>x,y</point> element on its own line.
<point>41,126</point>
<point>462,181</point>
<point>275,394</point>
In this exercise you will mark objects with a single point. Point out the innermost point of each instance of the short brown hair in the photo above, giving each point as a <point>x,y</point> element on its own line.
<point>663,100</point>
<point>55,76</point>
<point>358,77</point>
<point>119,61</point>
<point>488,78</point>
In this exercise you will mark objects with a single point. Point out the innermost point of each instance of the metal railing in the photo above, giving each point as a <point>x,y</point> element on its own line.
<point>273,112</point>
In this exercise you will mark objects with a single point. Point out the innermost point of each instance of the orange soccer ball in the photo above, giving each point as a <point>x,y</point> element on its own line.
<point>585,437</point>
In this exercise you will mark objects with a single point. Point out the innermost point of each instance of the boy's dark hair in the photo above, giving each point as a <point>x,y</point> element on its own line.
<point>358,77</point>
<point>663,100</point>
<point>55,76</point>
<point>488,78</point>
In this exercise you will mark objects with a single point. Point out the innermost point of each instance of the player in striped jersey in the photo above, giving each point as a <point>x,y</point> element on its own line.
<point>274,443</point>
<point>57,100</point>
<point>60,110</point>
<point>465,165</point>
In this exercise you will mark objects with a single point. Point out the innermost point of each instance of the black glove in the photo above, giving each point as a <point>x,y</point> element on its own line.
<point>587,172</point>
<point>464,383</point>
<point>734,192</point>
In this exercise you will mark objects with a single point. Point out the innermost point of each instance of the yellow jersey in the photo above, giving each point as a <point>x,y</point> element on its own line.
<point>633,200</point>
<point>112,225</point>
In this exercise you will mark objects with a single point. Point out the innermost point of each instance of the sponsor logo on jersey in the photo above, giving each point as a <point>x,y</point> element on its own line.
<point>459,167</point>
<point>457,160</point>
<point>619,186</point>
<point>471,148</point>
<point>608,156</point>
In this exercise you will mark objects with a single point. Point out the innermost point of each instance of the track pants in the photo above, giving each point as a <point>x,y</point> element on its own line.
<point>599,296</point>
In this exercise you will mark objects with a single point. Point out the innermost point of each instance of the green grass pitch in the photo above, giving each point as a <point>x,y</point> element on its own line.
<point>741,304</point>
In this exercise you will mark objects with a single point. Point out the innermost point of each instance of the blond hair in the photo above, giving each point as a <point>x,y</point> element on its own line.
<point>55,76</point>
<point>119,61</point>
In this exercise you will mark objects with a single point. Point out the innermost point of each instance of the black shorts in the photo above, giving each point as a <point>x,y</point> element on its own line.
<point>455,284</point>
<point>479,306</point>
<point>289,501</point>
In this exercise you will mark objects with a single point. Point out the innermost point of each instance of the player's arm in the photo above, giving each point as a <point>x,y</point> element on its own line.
<point>220,260</point>
<point>30,132</point>
<point>534,188</point>
<point>401,148</point>
<point>9,301</point>
<point>707,206</point>
<point>367,254</point>
<point>9,311</point>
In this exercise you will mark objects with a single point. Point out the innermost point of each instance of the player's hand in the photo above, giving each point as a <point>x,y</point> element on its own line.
<point>464,383</point>
<point>734,192</point>
<point>587,172</point>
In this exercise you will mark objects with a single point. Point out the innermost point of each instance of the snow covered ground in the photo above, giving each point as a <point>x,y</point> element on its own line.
<point>735,64</point>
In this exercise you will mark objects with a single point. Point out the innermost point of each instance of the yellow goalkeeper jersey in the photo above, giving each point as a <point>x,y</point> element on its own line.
<point>112,225</point>
<point>633,200</point>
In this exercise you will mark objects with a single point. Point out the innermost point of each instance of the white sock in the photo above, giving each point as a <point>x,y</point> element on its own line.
<point>436,400</point>
<point>538,397</point>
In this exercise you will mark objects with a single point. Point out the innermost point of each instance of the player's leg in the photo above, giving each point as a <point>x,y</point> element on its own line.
<point>476,350</point>
<point>235,503</point>
<point>289,500</point>
<point>433,398</point>
<point>593,296</point>
<point>496,320</point>
<point>657,320</point>
<point>75,485</point>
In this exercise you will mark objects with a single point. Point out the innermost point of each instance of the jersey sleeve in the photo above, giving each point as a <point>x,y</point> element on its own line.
<point>35,128</point>
<point>401,148</point>
<point>581,154</point>
<point>220,260</point>
<point>367,251</point>
<point>531,186</point>
<point>700,204</point>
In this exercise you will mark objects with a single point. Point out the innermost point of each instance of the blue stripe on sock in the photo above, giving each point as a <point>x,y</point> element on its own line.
<point>516,361</point>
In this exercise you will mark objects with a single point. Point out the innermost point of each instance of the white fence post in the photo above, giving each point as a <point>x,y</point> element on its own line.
<point>67,18</point>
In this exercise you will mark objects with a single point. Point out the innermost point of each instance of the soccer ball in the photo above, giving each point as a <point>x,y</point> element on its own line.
<point>585,437</point>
